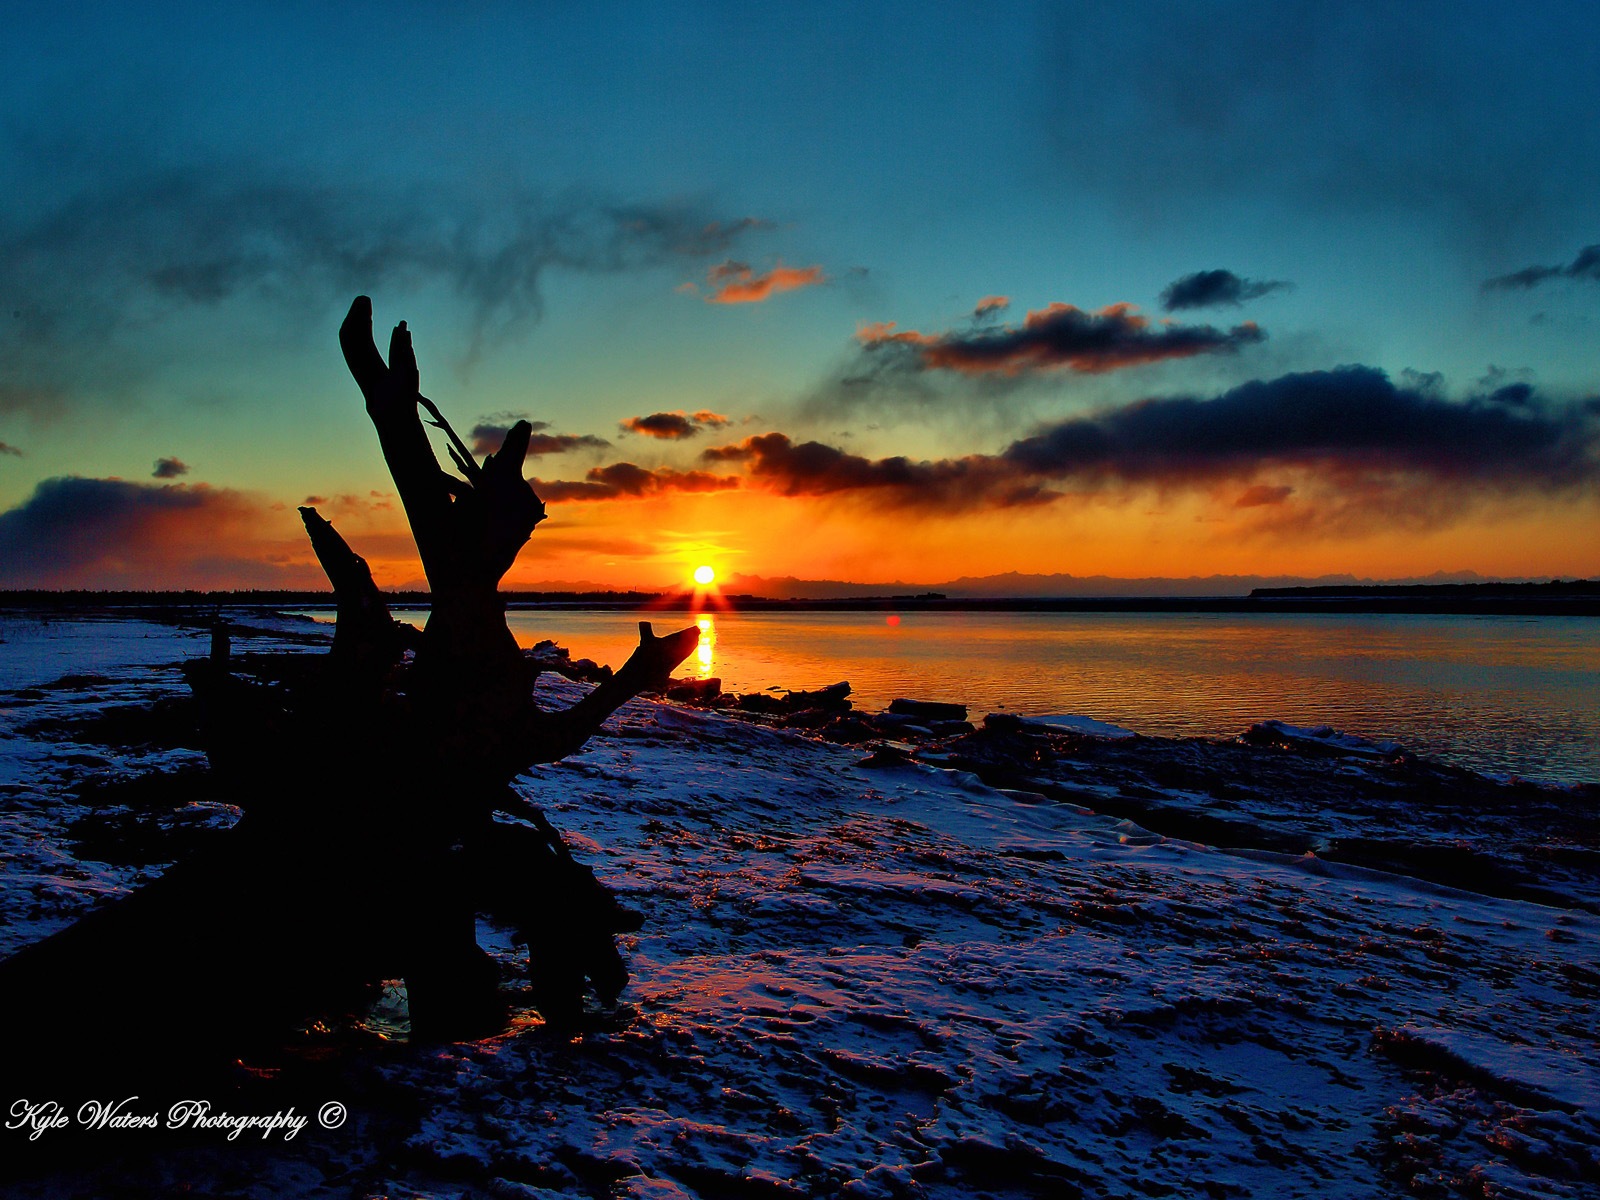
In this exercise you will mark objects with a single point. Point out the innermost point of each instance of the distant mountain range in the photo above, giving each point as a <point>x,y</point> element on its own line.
<point>1015,584</point>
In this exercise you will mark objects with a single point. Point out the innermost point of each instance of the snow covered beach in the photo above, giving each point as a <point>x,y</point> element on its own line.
<point>1111,970</point>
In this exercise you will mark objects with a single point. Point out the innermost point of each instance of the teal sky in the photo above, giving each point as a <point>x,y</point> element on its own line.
<point>195,193</point>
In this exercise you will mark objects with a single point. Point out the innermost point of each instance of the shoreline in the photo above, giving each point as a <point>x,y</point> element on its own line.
<point>1544,740</point>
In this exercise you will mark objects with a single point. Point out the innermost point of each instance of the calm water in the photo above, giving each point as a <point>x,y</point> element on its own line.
<point>1508,695</point>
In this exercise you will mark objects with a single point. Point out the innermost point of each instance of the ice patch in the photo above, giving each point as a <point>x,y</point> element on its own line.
<point>1546,1070</point>
<point>1322,735</point>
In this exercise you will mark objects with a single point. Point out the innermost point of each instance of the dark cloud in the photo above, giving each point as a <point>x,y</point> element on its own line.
<point>130,253</point>
<point>814,469</point>
<point>1214,289</point>
<point>1585,266</point>
<point>626,480</point>
<point>7,448</point>
<point>486,439</point>
<point>1350,419</point>
<point>169,468</point>
<point>1353,429</point>
<point>676,425</point>
<point>113,533</point>
<point>1058,337</point>
<point>1261,494</point>
<point>561,443</point>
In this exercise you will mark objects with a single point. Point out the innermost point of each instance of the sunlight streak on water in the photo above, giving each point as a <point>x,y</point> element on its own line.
<point>703,652</point>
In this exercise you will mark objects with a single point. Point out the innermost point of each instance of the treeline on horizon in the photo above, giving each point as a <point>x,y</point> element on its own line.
<point>121,597</point>
<point>1554,587</point>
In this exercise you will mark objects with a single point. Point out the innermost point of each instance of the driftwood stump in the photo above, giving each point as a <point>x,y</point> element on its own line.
<point>378,813</point>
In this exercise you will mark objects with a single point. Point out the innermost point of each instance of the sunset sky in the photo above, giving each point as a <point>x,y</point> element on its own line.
<point>858,292</point>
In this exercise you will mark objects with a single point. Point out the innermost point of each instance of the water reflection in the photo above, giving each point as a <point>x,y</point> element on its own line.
<point>704,650</point>
<point>1501,694</point>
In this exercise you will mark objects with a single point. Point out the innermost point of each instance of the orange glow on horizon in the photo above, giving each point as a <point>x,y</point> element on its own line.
<point>1174,535</point>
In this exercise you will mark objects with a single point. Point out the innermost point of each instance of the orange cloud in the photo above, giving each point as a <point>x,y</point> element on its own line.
<point>74,532</point>
<point>736,283</point>
<point>674,425</point>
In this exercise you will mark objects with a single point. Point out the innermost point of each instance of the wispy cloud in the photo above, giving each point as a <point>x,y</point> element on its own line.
<point>136,250</point>
<point>1432,109</point>
<point>738,283</point>
<point>1585,266</point>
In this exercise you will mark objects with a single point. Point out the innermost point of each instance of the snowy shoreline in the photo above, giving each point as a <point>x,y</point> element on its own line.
<point>866,971</point>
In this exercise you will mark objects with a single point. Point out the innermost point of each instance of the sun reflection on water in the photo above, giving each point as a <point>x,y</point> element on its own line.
<point>704,651</point>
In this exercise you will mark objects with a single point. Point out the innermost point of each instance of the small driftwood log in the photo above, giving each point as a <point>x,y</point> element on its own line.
<point>378,819</point>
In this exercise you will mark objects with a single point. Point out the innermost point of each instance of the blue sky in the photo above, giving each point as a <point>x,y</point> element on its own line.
<point>194,193</point>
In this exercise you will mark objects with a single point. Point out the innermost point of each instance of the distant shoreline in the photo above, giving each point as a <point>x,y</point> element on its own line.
<point>1579,598</point>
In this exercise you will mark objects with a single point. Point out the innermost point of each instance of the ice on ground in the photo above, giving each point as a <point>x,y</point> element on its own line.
<point>898,981</point>
<point>1558,1073</point>
<point>1324,736</point>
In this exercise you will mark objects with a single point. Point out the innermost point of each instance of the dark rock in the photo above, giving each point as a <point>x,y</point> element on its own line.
<point>849,731</point>
<point>892,722</point>
<point>810,718</point>
<point>694,691</point>
<point>547,656</point>
<point>929,710</point>
<point>885,757</point>
<point>832,695</point>
<point>760,702</point>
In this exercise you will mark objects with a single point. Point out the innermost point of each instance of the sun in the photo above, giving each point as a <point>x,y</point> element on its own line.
<point>704,576</point>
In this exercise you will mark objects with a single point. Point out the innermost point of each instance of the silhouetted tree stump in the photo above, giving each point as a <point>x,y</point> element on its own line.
<point>378,816</point>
